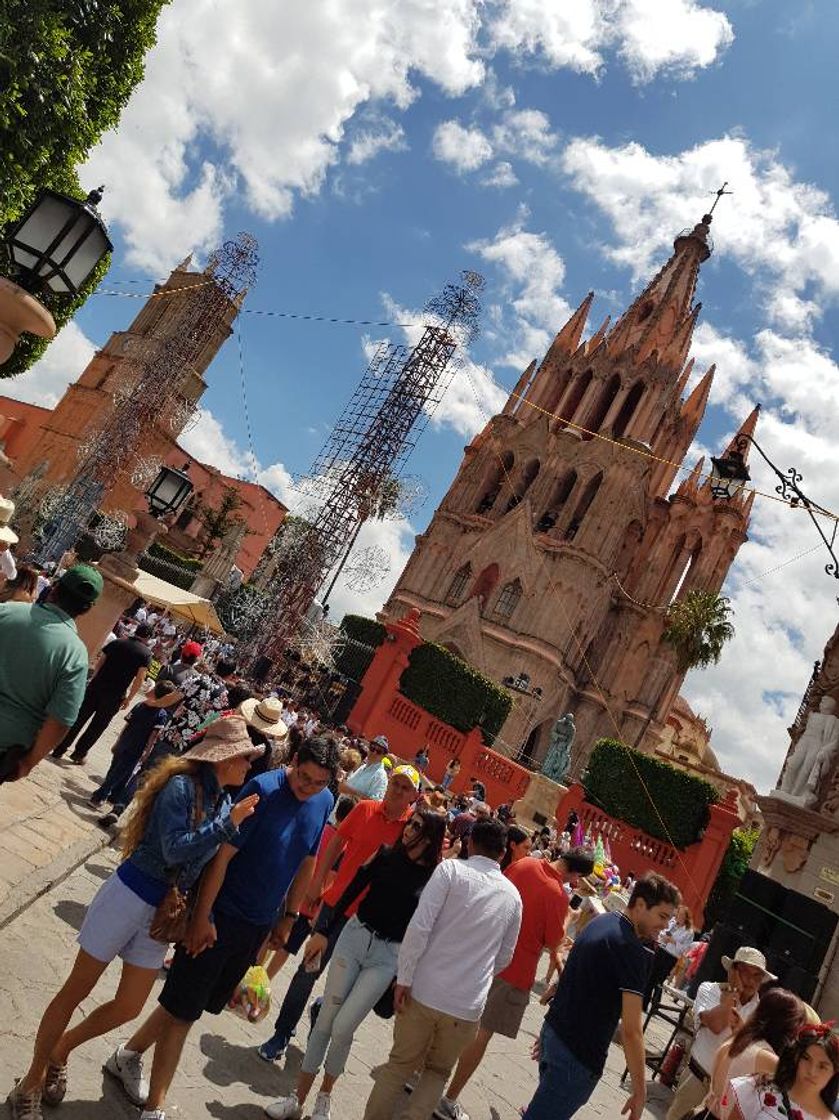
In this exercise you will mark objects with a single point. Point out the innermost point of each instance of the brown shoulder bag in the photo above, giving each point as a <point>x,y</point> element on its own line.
<point>171,919</point>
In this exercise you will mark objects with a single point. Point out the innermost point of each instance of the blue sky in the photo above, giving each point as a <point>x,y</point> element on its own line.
<point>376,148</point>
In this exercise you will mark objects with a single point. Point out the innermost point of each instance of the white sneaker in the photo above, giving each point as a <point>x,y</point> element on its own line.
<point>127,1067</point>
<point>321,1109</point>
<point>155,1114</point>
<point>286,1108</point>
<point>450,1110</point>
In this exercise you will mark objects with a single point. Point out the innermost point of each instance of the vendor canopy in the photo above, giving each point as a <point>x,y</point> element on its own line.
<point>182,603</point>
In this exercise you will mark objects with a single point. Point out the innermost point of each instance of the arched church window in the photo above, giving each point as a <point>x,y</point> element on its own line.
<point>572,403</point>
<point>499,473</point>
<point>628,409</point>
<point>508,599</point>
<point>646,311</point>
<point>688,564</point>
<point>458,584</point>
<point>586,498</point>
<point>558,499</point>
<point>594,421</point>
<point>529,473</point>
<point>485,584</point>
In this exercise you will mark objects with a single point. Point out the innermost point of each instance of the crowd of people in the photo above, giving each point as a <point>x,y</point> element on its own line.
<point>251,832</point>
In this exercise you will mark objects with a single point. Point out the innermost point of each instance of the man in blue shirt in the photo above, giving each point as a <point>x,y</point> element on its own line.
<point>603,983</point>
<point>256,883</point>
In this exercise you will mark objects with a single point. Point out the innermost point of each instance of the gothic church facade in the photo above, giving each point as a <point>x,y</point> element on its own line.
<point>561,540</point>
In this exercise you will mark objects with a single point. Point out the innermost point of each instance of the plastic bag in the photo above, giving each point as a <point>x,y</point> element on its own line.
<point>252,998</point>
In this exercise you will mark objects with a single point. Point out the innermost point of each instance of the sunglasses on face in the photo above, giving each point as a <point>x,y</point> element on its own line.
<point>414,826</point>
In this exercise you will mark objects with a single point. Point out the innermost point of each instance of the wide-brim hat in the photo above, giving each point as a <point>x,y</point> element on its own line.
<point>225,738</point>
<point>265,716</point>
<point>9,536</point>
<point>747,955</point>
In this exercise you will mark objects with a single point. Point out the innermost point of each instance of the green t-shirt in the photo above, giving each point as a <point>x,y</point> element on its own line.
<point>43,670</point>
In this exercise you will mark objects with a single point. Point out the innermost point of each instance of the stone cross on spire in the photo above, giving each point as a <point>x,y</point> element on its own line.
<point>719,193</point>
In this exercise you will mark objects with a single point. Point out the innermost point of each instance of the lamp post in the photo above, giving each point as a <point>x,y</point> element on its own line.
<point>521,684</point>
<point>53,248</point>
<point>729,474</point>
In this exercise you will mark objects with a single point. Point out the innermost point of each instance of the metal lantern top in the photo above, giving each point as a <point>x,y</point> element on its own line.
<point>728,475</point>
<point>169,490</point>
<point>58,243</point>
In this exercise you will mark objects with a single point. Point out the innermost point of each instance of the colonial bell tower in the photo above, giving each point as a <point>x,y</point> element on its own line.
<point>559,543</point>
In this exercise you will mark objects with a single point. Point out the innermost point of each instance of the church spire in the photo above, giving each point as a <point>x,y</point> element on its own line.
<point>740,442</point>
<point>568,338</point>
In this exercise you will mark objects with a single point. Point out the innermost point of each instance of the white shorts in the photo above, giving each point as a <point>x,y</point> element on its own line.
<point>117,925</point>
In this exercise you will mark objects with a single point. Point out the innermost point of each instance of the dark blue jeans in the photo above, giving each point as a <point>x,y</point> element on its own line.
<point>303,982</point>
<point>565,1084</point>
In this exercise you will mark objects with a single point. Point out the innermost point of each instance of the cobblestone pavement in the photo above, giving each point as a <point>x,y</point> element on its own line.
<point>221,1075</point>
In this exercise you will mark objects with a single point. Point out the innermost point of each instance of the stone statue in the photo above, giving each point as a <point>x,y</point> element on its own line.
<point>559,753</point>
<point>813,756</point>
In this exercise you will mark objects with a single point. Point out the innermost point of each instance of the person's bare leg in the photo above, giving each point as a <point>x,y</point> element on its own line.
<point>470,1059</point>
<point>167,1054</point>
<point>77,987</point>
<point>130,999</point>
<point>305,1081</point>
<point>328,1083</point>
<point>146,1035</point>
<point>276,963</point>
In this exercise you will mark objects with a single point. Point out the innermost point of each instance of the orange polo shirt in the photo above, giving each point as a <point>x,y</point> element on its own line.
<point>363,831</point>
<point>544,910</point>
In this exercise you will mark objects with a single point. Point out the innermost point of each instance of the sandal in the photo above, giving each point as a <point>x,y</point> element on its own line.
<point>55,1083</point>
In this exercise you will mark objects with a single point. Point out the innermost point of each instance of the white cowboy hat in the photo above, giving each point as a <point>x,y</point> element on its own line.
<point>265,716</point>
<point>746,955</point>
<point>7,535</point>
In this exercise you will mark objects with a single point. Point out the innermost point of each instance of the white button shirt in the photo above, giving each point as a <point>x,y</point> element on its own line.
<point>706,1043</point>
<point>463,934</point>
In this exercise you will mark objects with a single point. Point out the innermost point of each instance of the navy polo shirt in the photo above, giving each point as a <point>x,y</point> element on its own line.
<point>272,844</point>
<point>607,960</point>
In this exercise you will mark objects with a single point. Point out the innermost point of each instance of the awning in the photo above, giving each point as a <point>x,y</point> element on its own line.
<point>182,603</point>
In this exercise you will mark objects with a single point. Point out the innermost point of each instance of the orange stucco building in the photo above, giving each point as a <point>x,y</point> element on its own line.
<point>45,442</point>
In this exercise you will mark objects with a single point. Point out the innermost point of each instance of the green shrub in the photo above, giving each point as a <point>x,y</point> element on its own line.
<point>453,691</point>
<point>659,799</point>
<point>188,563</point>
<point>732,869</point>
<point>364,636</point>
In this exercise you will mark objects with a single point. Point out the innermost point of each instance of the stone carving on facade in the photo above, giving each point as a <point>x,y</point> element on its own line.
<point>793,849</point>
<point>559,752</point>
<point>813,759</point>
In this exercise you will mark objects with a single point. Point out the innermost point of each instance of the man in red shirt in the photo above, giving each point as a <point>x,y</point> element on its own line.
<point>544,910</point>
<point>359,836</point>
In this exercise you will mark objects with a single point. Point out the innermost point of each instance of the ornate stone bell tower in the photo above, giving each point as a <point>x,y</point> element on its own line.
<point>559,543</point>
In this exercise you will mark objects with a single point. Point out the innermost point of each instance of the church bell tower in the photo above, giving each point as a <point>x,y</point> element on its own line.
<point>561,541</point>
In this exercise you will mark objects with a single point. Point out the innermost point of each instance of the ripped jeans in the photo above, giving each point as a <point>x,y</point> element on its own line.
<point>361,970</point>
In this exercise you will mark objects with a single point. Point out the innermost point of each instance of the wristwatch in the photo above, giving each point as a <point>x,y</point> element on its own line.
<point>292,914</point>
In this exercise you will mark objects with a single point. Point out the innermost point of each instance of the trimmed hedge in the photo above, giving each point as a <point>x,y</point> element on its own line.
<point>454,692</point>
<point>615,779</point>
<point>364,636</point>
<point>189,563</point>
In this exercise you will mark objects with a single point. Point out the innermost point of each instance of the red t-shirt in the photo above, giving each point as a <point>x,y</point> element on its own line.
<point>363,831</point>
<point>544,909</point>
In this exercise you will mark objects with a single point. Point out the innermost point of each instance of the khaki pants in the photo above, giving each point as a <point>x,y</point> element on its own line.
<point>425,1040</point>
<point>690,1093</point>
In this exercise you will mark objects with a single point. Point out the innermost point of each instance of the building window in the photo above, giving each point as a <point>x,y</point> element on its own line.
<point>458,584</point>
<point>527,478</point>
<point>184,519</point>
<point>586,498</point>
<point>628,409</point>
<point>508,599</point>
<point>560,496</point>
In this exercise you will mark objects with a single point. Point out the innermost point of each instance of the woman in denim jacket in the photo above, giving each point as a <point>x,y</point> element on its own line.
<point>168,839</point>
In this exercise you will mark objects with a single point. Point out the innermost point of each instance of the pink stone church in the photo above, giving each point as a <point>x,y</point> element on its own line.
<point>554,553</point>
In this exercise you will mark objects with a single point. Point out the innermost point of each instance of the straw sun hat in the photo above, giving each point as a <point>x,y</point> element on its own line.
<point>265,716</point>
<point>224,739</point>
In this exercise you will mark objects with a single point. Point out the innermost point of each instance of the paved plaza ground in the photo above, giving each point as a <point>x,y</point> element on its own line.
<point>221,1075</point>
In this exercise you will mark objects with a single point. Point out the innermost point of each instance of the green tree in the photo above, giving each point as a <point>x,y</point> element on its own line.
<point>696,628</point>
<point>217,521</point>
<point>732,869</point>
<point>67,69</point>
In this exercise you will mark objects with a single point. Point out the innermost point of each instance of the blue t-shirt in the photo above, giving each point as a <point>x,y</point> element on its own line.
<point>607,960</point>
<point>272,844</point>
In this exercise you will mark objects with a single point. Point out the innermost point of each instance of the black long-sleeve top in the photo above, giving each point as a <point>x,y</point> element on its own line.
<point>393,883</point>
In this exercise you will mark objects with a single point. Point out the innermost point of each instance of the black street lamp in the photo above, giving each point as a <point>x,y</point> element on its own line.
<point>169,490</point>
<point>53,248</point>
<point>730,473</point>
<point>58,242</point>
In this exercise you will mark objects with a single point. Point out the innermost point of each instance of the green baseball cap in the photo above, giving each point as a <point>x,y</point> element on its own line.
<point>83,583</point>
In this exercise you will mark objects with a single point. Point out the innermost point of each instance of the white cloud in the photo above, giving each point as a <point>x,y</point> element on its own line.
<point>677,37</point>
<point>385,136</point>
<point>501,176</point>
<point>270,98</point>
<point>532,272</point>
<point>396,539</point>
<point>779,230</point>
<point>465,149</point>
<point>62,363</point>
